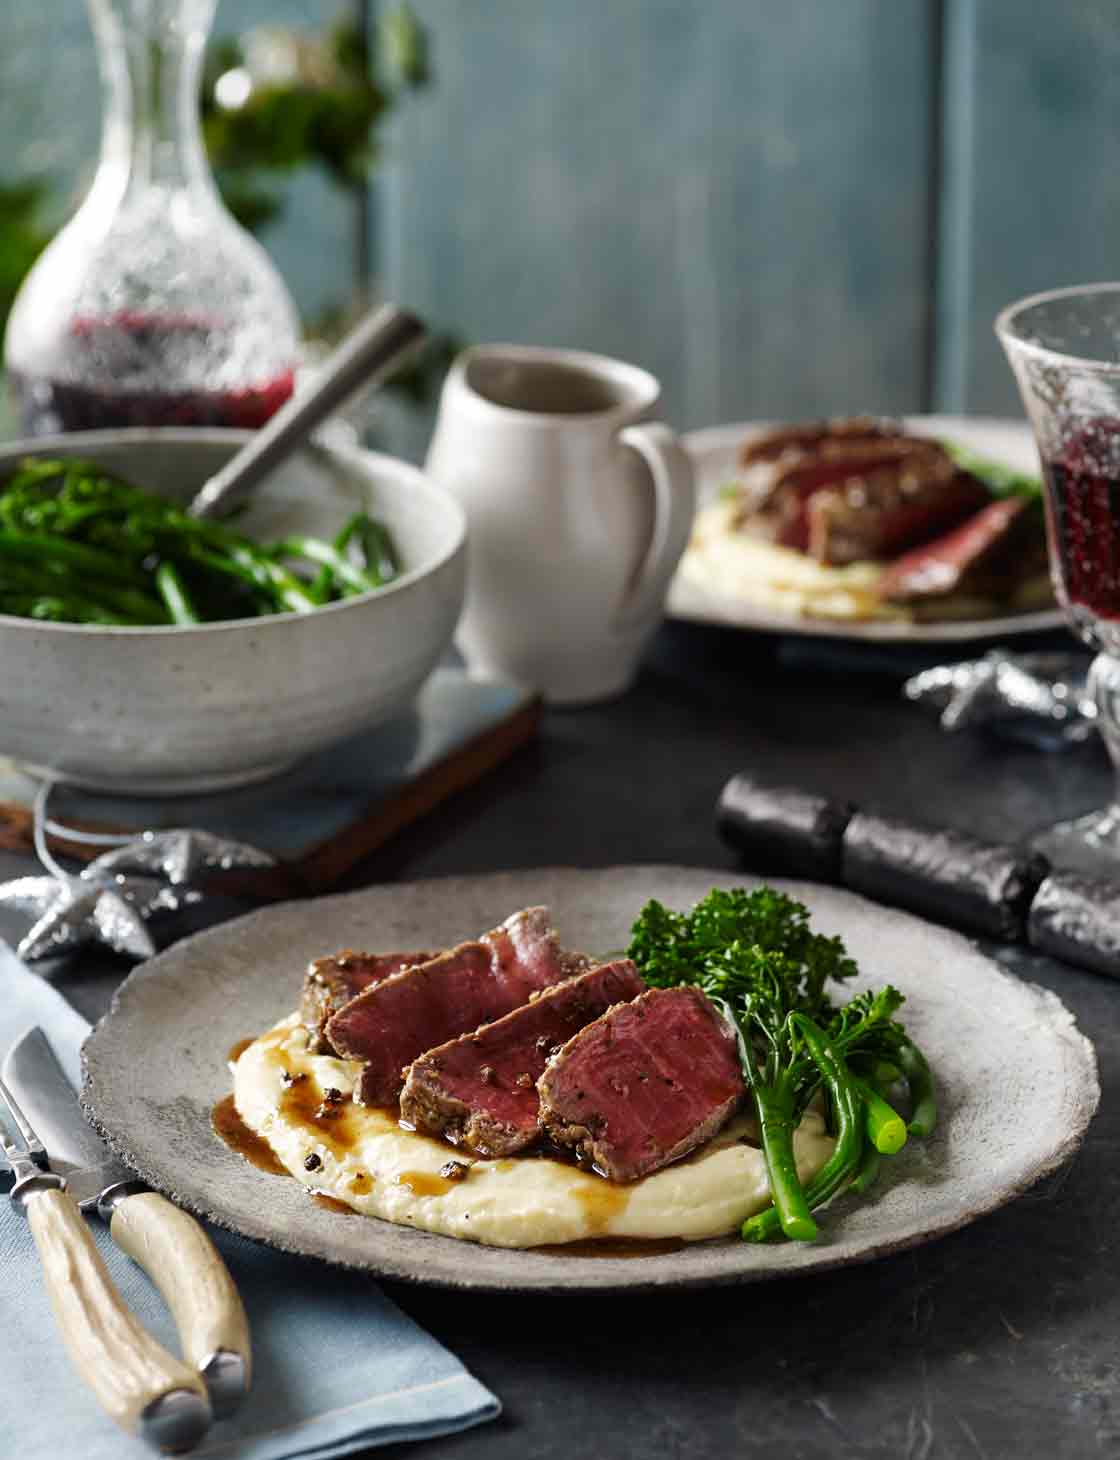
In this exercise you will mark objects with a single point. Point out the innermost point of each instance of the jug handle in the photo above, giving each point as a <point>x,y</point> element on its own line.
<point>674,500</point>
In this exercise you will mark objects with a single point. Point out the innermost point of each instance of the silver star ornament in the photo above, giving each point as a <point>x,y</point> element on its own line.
<point>181,856</point>
<point>72,911</point>
<point>1040,699</point>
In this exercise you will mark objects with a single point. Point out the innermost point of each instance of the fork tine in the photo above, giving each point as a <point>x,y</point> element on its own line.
<point>29,1145</point>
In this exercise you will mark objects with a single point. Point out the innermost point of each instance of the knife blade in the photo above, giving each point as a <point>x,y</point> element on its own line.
<point>77,1153</point>
<point>167,1243</point>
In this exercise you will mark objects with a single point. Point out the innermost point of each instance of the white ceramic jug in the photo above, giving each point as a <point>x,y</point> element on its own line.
<point>578,509</point>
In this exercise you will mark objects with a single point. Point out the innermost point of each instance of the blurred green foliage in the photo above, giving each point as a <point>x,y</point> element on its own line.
<point>317,101</point>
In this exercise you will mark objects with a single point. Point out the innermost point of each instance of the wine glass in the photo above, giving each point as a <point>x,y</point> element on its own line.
<point>1064,349</point>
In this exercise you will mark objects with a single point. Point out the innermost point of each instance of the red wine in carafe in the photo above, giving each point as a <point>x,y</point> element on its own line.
<point>137,357</point>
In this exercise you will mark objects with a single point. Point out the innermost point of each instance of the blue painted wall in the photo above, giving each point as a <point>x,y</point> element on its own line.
<point>811,207</point>
<point>1032,187</point>
<point>731,194</point>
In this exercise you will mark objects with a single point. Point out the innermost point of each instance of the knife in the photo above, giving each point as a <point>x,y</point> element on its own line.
<point>168,1244</point>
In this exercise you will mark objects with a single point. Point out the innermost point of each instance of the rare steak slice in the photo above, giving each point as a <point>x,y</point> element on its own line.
<point>852,491</point>
<point>644,1084</point>
<point>813,436</point>
<point>989,555</point>
<point>392,1022</point>
<point>883,511</point>
<point>333,981</point>
<point>480,1091</point>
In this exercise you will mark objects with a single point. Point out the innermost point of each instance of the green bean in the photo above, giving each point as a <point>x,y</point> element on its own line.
<point>227,568</point>
<point>886,1129</point>
<point>77,541</point>
<point>791,1211</point>
<point>382,559</point>
<point>923,1097</point>
<point>57,609</point>
<point>317,551</point>
<point>289,591</point>
<point>867,1172</point>
<point>847,1107</point>
<point>35,548</point>
<point>775,1104</point>
<point>56,580</point>
<point>175,595</point>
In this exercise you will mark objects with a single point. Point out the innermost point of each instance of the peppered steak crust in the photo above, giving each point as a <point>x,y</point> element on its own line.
<point>644,1084</point>
<point>480,1091</point>
<point>330,983</point>
<point>394,1021</point>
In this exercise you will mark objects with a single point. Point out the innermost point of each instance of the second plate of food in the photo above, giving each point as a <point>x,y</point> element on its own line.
<point>157,1068</point>
<point>740,580</point>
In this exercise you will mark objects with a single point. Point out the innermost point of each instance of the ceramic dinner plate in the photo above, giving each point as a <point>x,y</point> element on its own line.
<point>156,1065</point>
<point>714,452</point>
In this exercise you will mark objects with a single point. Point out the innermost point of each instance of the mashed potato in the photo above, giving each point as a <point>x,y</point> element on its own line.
<point>720,559</point>
<point>363,1158</point>
<point>733,564</point>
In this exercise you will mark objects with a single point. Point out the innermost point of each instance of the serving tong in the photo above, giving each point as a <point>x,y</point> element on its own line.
<point>161,1399</point>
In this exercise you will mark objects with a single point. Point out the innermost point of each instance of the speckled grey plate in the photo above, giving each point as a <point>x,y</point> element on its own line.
<point>155,1066</point>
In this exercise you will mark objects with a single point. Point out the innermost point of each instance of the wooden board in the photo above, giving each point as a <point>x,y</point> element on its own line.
<point>326,814</point>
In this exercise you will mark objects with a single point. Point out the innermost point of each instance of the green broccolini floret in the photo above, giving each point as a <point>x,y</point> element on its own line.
<point>755,955</point>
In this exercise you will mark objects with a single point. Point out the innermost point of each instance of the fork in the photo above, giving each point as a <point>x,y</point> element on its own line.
<point>138,1383</point>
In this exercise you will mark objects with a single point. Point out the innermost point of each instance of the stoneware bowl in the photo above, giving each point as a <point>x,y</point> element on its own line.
<point>165,710</point>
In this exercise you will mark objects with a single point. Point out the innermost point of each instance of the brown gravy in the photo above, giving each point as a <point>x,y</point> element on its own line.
<point>331,1204</point>
<point>336,1125</point>
<point>230,1128</point>
<point>614,1247</point>
<point>601,1201</point>
<point>425,1183</point>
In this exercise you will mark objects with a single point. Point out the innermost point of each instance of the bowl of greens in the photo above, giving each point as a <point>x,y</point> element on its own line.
<point>147,651</point>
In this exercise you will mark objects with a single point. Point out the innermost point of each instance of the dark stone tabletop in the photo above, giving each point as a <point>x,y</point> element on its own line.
<point>998,1341</point>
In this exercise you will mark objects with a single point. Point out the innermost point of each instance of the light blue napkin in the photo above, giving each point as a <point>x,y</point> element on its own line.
<point>337,1367</point>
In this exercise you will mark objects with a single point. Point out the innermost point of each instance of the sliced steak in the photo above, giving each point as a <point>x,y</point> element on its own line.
<point>988,555</point>
<point>645,1084</point>
<point>392,1022</point>
<point>851,491</point>
<point>880,513</point>
<point>332,982</point>
<point>790,441</point>
<point>480,1090</point>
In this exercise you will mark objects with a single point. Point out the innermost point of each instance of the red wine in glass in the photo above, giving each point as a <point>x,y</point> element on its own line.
<point>131,353</point>
<point>1084,481</point>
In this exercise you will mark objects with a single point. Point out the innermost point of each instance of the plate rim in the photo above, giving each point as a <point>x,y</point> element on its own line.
<point>603,1276</point>
<point>687,602</point>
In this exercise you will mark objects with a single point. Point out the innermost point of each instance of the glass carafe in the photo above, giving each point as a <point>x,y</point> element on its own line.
<point>152,307</point>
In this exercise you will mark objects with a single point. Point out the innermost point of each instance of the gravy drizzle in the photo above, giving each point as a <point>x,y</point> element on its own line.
<point>230,1128</point>
<point>601,1201</point>
<point>425,1183</point>
<point>332,1204</point>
